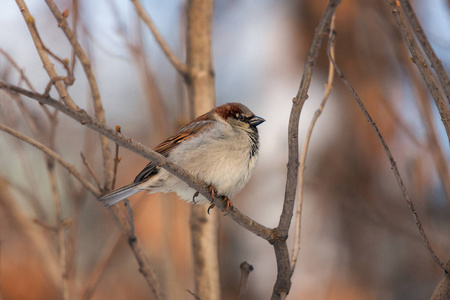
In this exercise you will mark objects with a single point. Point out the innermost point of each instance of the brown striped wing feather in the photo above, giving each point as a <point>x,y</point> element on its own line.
<point>189,131</point>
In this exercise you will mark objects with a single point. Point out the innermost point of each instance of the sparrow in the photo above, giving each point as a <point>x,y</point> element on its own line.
<point>220,148</point>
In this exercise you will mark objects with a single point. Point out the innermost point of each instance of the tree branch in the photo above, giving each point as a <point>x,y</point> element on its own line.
<point>177,64</point>
<point>283,283</point>
<point>421,63</point>
<point>41,49</point>
<point>393,164</point>
<point>98,106</point>
<point>329,86</point>
<point>436,63</point>
<point>56,156</point>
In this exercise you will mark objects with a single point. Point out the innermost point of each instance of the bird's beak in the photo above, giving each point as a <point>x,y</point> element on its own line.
<point>255,121</point>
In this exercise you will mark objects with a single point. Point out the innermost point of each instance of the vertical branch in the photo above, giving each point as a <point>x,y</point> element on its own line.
<point>436,63</point>
<point>176,63</point>
<point>48,65</point>
<point>201,93</point>
<point>421,63</point>
<point>316,116</point>
<point>98,106</point>
<point>60,231</point>
<point>283,282</point>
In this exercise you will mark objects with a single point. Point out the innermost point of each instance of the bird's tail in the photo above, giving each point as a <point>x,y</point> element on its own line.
<point>120,194</point>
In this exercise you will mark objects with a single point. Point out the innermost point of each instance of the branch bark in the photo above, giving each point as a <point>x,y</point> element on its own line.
<point>176,63</point>
<point>329,86</point>
<point>201,93</point>
<point>283,281</point>
<point>436,63</point>
<point>95,191</point>
<point>393,166</point>
<point>98,106</point>
<point>41,49</point>
<point>421,63</point>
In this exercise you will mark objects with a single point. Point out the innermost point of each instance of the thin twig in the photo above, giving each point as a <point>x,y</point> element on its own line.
<point>46,226</point>
<point>436,63</point>
<point>48,65</point>
<point>329,86</point>
<point>393,165</point>
<point>60,231</point>
<point>94,277</point>
<point>177,64</point>
<point>91,171</point>
<point>421,63</point>
<point>19,69</point>
<point>145,267</point>
<point>246,269</point>
<point>98,106</point>
<point>57,157</point>
<point>116,161</point>
<point>283,283</point>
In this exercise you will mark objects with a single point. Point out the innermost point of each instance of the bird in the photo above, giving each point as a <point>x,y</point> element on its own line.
<point>220,147</point>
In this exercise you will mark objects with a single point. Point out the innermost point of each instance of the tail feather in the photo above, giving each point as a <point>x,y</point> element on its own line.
<point>120,194</point>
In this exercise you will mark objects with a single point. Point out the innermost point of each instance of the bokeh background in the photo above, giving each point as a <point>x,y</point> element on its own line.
<point>358,237</point>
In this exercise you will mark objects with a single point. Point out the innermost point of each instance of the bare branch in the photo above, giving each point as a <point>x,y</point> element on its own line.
<point>298,101</point>
<point>144,264</point>
<point>116,162</point>
<point>393,164</point>
<point>283,283</point>
<point>436,63</point>
<point>19,69</point>
<point>60,231</point>
<point>91,171</point>
<point>98,106</point>
<point>177,64</point>
<point>316,116</point>
<point>421,64</point>
<point>94,277</point>
<point>48,66</point>
<point>56,156</point>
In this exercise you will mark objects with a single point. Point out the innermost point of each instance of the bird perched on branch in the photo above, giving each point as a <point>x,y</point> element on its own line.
<point>220,148</point>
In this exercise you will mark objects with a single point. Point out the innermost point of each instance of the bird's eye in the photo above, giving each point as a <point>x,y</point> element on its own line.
<point>240,117</point>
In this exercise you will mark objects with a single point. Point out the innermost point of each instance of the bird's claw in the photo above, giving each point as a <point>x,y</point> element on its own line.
<point>213,192</point>
<point>228,205</point>
<point>211,206</point>
<point>195,196</point>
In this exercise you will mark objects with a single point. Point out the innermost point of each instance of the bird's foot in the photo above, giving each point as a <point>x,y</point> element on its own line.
<point>213,191</point>
<point>228,205</point>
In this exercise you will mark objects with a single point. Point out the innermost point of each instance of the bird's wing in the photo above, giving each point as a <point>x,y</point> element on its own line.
<point>189,131</point>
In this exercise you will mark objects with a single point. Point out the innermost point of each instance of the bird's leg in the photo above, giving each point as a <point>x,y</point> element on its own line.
<point>213,195</point>
<point>195,196</point>
<point>228,205</point>
<point>213,192</point>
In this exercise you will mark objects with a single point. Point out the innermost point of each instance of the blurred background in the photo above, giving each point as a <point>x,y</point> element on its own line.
<point>358,241</point>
